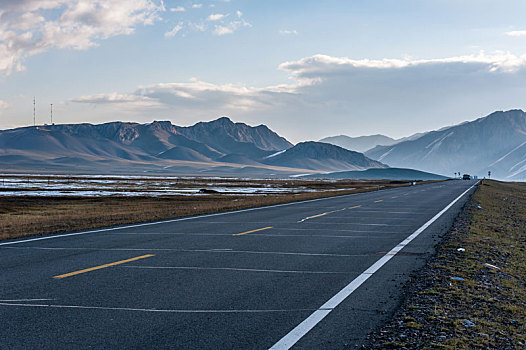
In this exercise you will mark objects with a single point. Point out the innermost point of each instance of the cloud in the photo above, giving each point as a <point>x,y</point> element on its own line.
<point>319,66</point>
<point>239,14</point>
<point>229,28</point>
<point>197,6</point>
<point>29,27</point>
<point>128,100</point>
<point>335,94</point>
<point>288,32</point>
<point>176,29</point>
<point>177,9</point>
<point>216,17</point>
<point>191,94</point>
<point>4,105</point>
<point>516,33</point>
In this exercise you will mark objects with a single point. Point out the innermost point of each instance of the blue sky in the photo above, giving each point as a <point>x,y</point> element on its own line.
<point>307,69</point>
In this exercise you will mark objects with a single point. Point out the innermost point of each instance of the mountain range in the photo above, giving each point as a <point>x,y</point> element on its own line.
<point>219,147</point>
<point>360,143</point>
<point>495,143</point>
<point>366,143</point>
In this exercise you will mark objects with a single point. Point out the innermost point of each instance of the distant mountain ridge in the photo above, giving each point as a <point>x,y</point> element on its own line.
<point>318,155</point>
<point>381,174</point>
<point>495,143</point>
<point>223,133</point>
<point>219,146</point>
<point>360,143</point>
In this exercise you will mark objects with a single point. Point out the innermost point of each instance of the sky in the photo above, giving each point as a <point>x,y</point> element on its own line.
<point>307,69</point>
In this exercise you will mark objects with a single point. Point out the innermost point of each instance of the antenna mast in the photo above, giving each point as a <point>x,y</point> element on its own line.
<point>34,113</point>
<point>52,114</point>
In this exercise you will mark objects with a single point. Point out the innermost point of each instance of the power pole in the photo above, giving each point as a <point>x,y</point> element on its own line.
<point>52,114</point>
<point>34,112</point>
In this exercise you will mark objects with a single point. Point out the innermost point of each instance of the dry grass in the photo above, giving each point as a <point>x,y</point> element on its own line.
<point>24,216</point>
<point>495,300</point>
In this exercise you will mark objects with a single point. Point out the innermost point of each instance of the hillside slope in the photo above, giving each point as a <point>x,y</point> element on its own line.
<point>322,156</point>
<point>495,143</point>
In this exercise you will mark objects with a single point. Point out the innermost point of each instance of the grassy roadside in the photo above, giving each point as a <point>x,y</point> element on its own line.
<point>25,216</point>
<point>458,301</point>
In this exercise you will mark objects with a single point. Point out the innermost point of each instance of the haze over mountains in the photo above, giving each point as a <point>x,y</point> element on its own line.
<point>495,143</point>
<point>219,147</point>
<point>360,143</point>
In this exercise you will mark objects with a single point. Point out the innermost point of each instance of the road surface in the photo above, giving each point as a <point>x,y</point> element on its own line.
<point>314,274</point>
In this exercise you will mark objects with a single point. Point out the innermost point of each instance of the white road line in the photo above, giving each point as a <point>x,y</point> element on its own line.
<point>19,300</point>
<point>195,251</point>
<point>232,269</point>
<point>310,322</point>
<point>258,235</point>
<point>388,212</point>
<point>182,219</point>
<point>150,310</point>
<point>314,222</point>
<point>335,230</point>
<point>405,218</point>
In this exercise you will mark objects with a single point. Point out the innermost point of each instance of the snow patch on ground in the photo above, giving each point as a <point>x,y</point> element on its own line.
<point>507,154</point>
<point>275,154</point>
<point>385,154</point>
<point>437,143</point>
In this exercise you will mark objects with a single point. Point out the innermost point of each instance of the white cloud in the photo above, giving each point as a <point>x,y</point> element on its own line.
<point>4,105</point>
<point>33,26</point>
<point>177,9</point>
<point>197,6</point>
<point>227,97</point>
<point>239,14</point>
<point>176,29</point>
<point>332,77</point>
<point>335,94</point>
<point>288,32</point>
<point>216,17</point>
<point>129,100</point>
<point>516,33</point>
<point>230,28</point>
<point>199,27</point>
<point>320,65</point>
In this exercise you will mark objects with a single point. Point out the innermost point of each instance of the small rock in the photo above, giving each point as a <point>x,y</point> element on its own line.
<point>468,323</point>
<point>460,279</point>
<point>493,267</point>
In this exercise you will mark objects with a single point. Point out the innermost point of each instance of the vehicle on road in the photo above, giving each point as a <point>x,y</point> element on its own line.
<point>466,177</point>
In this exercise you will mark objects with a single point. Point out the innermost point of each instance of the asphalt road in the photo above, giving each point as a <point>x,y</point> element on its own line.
<point>315,274</point>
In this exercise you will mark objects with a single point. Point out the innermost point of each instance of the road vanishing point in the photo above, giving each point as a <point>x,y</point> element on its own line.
<point>316,274</point>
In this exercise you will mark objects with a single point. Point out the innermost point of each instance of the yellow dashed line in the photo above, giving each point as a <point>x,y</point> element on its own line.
<point>316,216</point>
<point>378,201</point>
<point>356,206</point>
<point>252,231</point>
<point>103,266</point>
